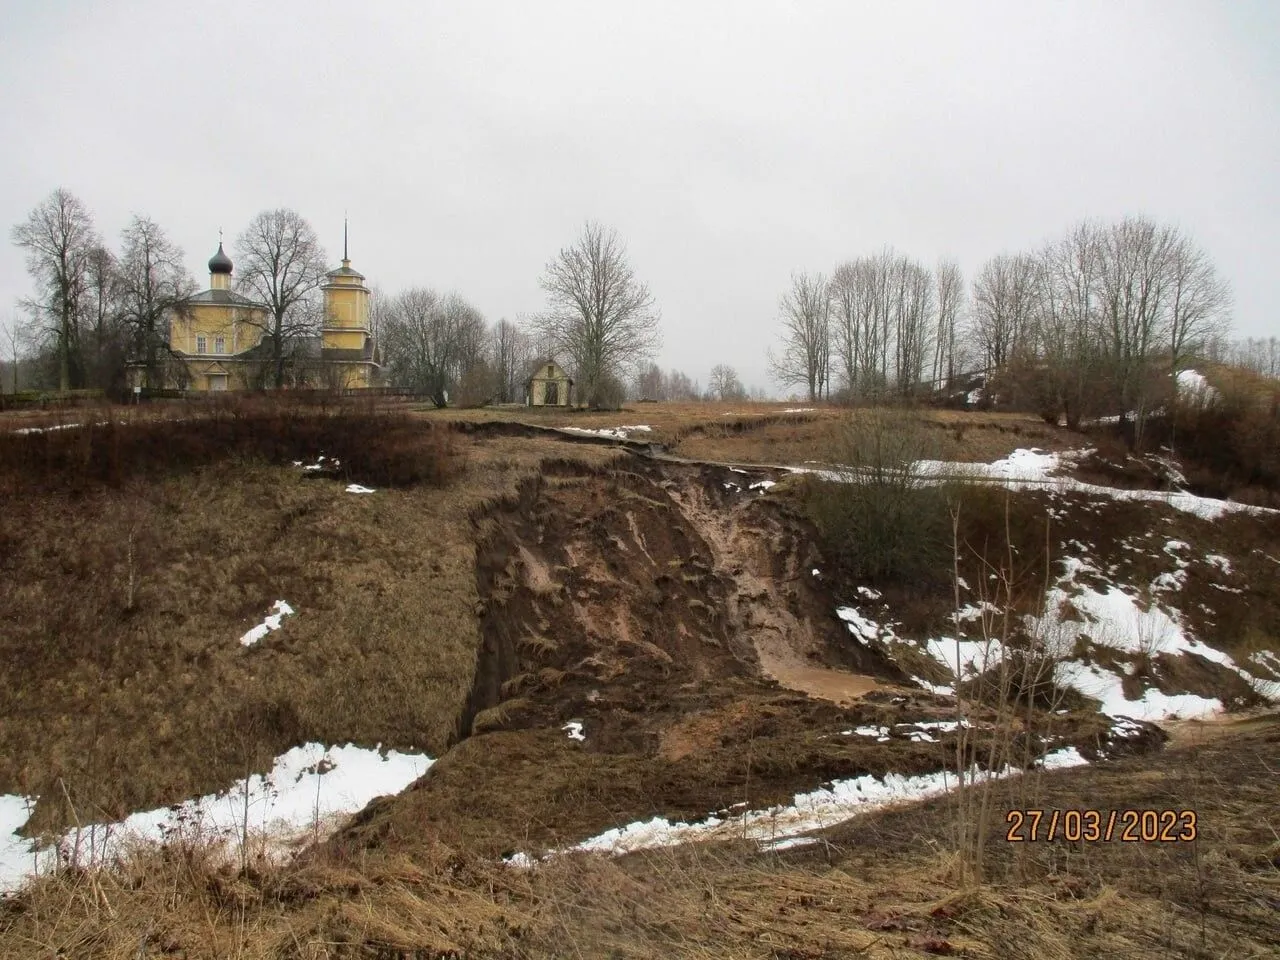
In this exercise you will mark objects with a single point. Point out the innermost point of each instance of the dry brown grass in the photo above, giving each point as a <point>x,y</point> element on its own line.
<point>772,437</point>
<point>762,433</point>
<point>123,607</point>
<point>881,886</point>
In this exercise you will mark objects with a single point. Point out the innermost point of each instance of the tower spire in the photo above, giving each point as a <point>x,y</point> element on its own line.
<point>345,258</point>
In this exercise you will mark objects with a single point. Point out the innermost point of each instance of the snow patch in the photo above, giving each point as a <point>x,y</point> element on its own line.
<point>1218,561</point>
<point>60,426</point>
<point>1031,469</point>
<point>356,488</point>
<point>1107,688</point>
<point>272,622</point>
<point>862,627</point>
<point>613,433</point>
<point>821,808</point>
<point>308,791</point>
<point>573,729</point>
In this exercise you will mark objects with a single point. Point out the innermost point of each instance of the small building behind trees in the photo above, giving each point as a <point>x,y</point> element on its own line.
<point>549,386</point>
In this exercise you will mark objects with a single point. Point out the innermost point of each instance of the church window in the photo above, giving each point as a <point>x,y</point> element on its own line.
<point>202,344</point>
<point>219,344</point>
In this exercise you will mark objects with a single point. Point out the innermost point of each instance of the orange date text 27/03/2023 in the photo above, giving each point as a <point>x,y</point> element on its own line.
<point>1093,826</point>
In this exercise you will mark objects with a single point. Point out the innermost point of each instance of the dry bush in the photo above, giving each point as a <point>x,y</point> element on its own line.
<point>374,447</point>
<point>610,393</point>
<point>880,520</point>
<point>1230,444</point>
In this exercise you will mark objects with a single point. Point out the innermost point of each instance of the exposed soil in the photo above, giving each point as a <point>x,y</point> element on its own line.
<point>672,612</point>
<point>772,600</point>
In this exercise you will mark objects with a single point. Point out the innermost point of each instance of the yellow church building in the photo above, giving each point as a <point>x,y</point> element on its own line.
<point>348,352</point>
<point>218,338</point>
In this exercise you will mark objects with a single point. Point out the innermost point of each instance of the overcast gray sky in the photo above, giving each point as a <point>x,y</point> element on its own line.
<point>729,143</point>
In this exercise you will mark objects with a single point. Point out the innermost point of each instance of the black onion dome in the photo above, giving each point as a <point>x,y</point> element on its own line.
<point>220,262</point>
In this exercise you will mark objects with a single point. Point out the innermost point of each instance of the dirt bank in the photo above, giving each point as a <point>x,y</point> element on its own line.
<point>670,612</point>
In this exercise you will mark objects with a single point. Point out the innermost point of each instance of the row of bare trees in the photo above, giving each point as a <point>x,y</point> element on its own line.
<point>92,307</point>
<point>95,310</point>
<point>1258,354</point>
<point>441,345</point>
<point>878,323</point>
<point>1102,318</point>
<point>1093,313</point>
<point>651,382</point>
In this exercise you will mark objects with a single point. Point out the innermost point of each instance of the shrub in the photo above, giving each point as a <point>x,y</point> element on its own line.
<point>879,518</point>
<point>374,447</point>
<point>1230,442</point>
<point>610,393</point>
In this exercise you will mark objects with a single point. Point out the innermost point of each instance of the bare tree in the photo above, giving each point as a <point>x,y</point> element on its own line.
<point>153,283</point>
<point>650,382</point>
<point>432,341</point>
<point>511,352</point>
<point>724,384</point>
<point>1135,287</point>
<point>913,322</point>
<point>680,387</point>
<point>950,296</point>
<point>58,236</point>
<point>846,329</point>
<point>378,300</point>
<point>1258,354</point>
<point>104,312</point>
<point>598,313</point>
<point>1199,301</point>
<point>9,339</point>
<point>805,349</point>
<point>1003,302</point>
<point>282,264</point>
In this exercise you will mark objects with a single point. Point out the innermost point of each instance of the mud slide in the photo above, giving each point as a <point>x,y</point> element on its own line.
<point>768,575</point>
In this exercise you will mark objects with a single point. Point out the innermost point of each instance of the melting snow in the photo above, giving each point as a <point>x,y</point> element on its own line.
<point>1035,469</point>
<point>309,789</point>
<point>935,688</point>
<point>356,488</point>
<point>762,485</point>
<point>824,807</point>
<point>1196,388</point>
<point>788,843</point>
<point>1220,562</point>
<point>1107,688</point>
<point>859,625</point>
<point>965,658</point>
<point>880,733</point>
<point>272,622</point>
<point>614,433</point>
<point>574,730</point>
<point>60,426</point>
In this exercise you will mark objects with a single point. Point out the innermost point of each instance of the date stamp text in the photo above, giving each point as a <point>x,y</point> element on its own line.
<point>1101,826</point>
